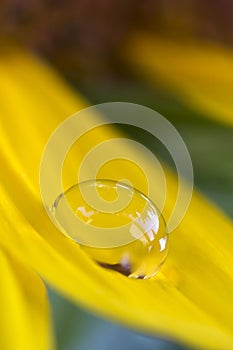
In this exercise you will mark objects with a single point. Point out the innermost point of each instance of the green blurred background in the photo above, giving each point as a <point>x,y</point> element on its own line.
<point>83,41</point>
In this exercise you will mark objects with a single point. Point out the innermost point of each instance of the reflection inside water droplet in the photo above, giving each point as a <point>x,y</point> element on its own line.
<point>116,225</point>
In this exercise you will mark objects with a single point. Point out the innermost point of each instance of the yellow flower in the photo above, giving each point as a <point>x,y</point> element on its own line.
<point>200,74</point>
<point>25,319</point>
<point>190,300</point>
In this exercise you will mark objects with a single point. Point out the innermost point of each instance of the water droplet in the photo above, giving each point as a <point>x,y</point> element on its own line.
<point>116,225</point>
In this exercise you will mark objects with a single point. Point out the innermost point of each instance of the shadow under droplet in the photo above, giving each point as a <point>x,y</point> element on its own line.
<point>124,269</point>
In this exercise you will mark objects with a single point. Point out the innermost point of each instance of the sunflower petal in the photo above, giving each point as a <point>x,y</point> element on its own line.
<point>201,75</point>
<point>190,300</point>
<point>24,320</point>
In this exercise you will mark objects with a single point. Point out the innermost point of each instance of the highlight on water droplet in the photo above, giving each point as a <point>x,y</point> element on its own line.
<point>115,224</point>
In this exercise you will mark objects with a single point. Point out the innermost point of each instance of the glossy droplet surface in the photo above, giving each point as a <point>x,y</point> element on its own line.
<point>116,225</point>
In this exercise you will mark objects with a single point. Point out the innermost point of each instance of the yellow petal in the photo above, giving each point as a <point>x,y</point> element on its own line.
<point>190,300</point>
<point>200,74</point>
<point>24,320</point>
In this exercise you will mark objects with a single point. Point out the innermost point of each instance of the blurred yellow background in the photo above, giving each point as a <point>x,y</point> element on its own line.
<point>174,56</point>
